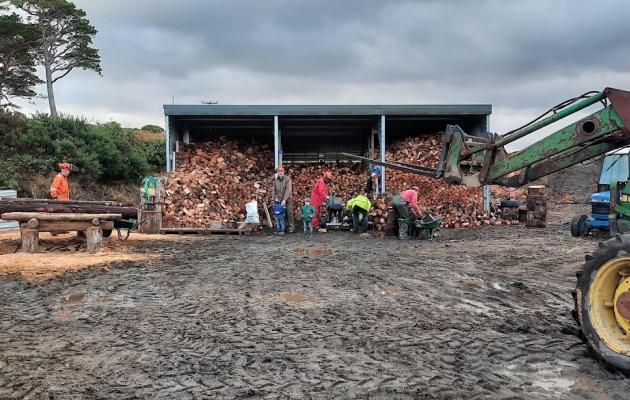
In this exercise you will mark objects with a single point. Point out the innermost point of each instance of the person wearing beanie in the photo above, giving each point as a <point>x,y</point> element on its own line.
<point>59,188</point>
<point>283,189</point>
<point>307,217</point>
<point>320,195</point>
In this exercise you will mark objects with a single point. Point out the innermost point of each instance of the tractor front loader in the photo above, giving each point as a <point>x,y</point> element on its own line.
<point>602,293</point>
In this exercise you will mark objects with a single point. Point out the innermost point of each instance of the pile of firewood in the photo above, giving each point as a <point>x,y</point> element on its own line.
<point>459,206</point>
<point>215,180</point>
<point>349,180</point>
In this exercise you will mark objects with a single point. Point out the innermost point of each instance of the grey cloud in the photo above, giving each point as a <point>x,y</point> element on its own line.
<point>520,56</point>
<point>379,41</point>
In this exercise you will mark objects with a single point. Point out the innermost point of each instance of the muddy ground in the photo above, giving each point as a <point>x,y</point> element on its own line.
<point>473,314</point>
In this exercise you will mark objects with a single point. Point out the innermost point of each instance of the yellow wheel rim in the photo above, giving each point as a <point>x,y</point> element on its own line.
<point>609,300</point>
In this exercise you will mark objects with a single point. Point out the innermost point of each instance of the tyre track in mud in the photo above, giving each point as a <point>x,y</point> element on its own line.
<point>469,315</point>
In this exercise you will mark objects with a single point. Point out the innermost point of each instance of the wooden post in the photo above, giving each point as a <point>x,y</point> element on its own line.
<point>94,239</point>
<point>153,221</point>
<point>536,206</point>
<point>391,227</point>
<point>30,240</point>
<point>267,214</point>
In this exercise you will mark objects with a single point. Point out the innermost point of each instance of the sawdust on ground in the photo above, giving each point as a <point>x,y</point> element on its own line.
<point>66,253</point>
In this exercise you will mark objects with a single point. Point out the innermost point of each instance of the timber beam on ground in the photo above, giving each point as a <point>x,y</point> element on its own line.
<point>206,231</point>
<point>61,207</point>
<point>90,226</point>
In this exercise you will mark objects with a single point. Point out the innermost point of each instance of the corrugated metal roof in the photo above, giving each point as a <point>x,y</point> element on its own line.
<point>405,109</point>
<point>8,225</point>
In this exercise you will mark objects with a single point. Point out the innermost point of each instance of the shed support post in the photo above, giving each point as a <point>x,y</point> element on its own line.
<point>167,131</point>
<point>382,146</point>
<point>276,142</point>
<point>486,188</point>
<point>371,143</point>
<point>186,136</point>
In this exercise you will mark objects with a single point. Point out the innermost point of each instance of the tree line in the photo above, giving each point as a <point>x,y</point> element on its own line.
<point>53,34</point>
<point>101,153</point>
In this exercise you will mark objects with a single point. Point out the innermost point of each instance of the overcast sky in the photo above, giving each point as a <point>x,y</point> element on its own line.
<point>520,56</point>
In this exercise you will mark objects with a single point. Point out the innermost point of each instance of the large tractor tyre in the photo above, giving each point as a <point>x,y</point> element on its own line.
<point>602,303</point>
<point>577,223</point>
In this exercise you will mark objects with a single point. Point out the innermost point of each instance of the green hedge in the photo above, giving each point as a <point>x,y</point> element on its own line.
<point>102,152</point>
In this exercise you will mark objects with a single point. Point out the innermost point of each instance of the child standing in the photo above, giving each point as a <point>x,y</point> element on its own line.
<point>307,216</point>
<point>279,212</point>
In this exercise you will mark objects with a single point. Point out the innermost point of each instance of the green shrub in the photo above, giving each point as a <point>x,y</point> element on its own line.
<point>154,153</point>
<point>102,152</point>
<point>152,128</point>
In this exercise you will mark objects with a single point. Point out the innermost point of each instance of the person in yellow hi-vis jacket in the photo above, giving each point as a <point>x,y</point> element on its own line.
<point>360,206</point>
<point>59,189</point>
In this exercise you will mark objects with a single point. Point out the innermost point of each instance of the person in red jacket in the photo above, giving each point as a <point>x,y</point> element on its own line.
<point>59,189</point>
<point>402,204</point>
<point>319,196</point>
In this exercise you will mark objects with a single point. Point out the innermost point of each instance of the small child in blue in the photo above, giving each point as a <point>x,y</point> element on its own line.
<point>279,213</point>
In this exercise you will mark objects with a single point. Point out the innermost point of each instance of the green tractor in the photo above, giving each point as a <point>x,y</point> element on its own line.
<point>602,293</point>
<point>613,176</point>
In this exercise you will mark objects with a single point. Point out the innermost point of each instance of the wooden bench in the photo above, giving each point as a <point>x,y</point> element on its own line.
<point>32,223</point>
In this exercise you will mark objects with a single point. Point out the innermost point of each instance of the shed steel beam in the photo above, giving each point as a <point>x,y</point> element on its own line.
<point>382,137</point>
<point>186,137</point>
<point>486,189</point>
<point>450,110</point>
<point>167,130</point>
<point>276,142</point>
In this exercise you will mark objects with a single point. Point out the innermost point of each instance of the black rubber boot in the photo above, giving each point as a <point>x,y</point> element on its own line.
<point>403,229</point>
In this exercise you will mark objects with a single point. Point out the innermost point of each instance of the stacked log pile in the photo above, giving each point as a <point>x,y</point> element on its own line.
<point>214,180</point>
<point>459,206</point>
<point>536,206</point>
<point>349,180</point>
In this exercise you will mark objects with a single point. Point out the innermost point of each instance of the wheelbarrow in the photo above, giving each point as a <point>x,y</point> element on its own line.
<point>429,224</point>
<point>124,227</point>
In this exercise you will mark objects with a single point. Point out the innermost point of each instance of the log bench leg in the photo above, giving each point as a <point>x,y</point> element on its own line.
<point>30,240</point>
<point>94,239</point>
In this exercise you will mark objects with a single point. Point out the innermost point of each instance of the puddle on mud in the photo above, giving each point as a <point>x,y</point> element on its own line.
<point>65,315</point>
<point>554,384</point>
<point>294,297</point>
<point>546,375</point>
<point>73,300</point>
<point>497,286</point>
<point>319,252</point>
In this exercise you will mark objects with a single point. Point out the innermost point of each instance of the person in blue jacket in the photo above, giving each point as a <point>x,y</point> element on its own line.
<point>279,213</point>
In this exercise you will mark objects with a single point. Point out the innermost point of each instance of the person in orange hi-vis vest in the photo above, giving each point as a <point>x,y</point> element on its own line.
<point>59,188</point>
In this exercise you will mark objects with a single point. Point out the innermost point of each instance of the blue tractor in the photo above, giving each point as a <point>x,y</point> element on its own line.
<point>615,168</point>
